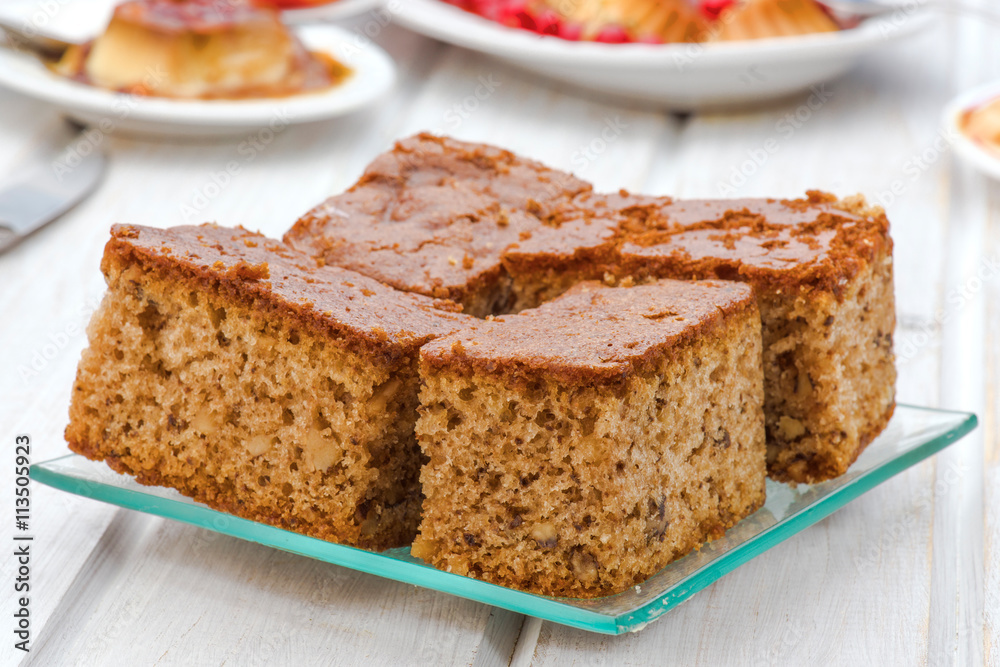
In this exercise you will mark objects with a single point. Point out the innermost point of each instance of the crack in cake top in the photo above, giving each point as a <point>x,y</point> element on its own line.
<point>434,215</point>
<point>591,333</point>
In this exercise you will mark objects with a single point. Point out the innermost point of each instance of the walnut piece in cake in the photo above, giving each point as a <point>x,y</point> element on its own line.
<point>228,366</point>
<point>577,448</point>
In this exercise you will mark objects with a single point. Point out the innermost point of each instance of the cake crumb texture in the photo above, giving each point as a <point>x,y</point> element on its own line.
<point>581,476</point>
<point>229,367</point>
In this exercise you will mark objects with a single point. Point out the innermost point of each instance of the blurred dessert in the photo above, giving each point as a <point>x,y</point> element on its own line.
<point>635,20</point>
<point>759,19</point>
<point>292,4</point>
<point>982,125</point>
<point>199,49</point>
<point>657,21</point>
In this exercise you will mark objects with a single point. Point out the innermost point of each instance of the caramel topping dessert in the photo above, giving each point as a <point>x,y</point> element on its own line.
<point>760,19</point>
<point>982,125</point>
<point>199,49</point>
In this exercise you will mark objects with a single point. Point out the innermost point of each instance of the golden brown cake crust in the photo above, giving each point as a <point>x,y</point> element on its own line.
<point>818,242</point>
<point>434,215</point>
<point>591,333</point>
<point>265,274</point>
<point>233,369</point>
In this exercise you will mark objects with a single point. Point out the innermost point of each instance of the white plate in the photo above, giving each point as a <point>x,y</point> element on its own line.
<point>80,20</point>
<point>977,154</point>
<point>335,11</point>
<point>675,76</point>
<point>374,74</point>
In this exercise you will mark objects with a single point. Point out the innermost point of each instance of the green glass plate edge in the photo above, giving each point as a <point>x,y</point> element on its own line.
<point>413,572</point>
<point>781,531</point>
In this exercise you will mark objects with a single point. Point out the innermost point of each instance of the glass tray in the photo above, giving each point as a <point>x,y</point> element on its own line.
<point>912,435</point>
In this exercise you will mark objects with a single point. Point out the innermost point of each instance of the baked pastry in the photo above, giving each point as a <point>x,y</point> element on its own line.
<point>635,20</point>
<point>199,49</point>
<point>577,448</point>
<point>229,367</point>
<point>760,19</point>
<point>822,272</point>
<point>433,216</point>
<point>982,125</point>
<point>657,21</point>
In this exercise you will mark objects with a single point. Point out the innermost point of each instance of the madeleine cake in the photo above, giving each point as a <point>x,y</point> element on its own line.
<point>199,49</point>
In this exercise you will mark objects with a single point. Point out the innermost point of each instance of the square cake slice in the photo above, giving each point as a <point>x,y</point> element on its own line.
<point>821,269</point>
<point>577,448</point>
<point>433,216</point>
<point>228,366</point>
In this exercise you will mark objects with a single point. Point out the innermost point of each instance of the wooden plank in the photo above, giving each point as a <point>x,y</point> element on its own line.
<point>502,633</point>
<point>991,443</point>
<point>42,339</point>
<point>157,592</point>
<point>955,631</point>
<point>958,598</point>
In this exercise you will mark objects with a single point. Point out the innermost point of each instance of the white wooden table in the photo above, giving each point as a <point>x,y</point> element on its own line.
<point>907,574</point>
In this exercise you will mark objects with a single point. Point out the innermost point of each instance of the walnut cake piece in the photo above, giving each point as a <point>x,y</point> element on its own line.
<point>228,366</point>
<point>433,216</point>
<point>821,269</point>
<point>577,448</point>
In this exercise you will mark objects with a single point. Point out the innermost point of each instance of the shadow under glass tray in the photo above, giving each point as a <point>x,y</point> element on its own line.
<point>913,435</point>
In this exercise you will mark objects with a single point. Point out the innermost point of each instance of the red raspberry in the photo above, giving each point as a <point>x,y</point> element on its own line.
<point>571,31</point>
<point>612,34</point>
<point>711,9</point>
